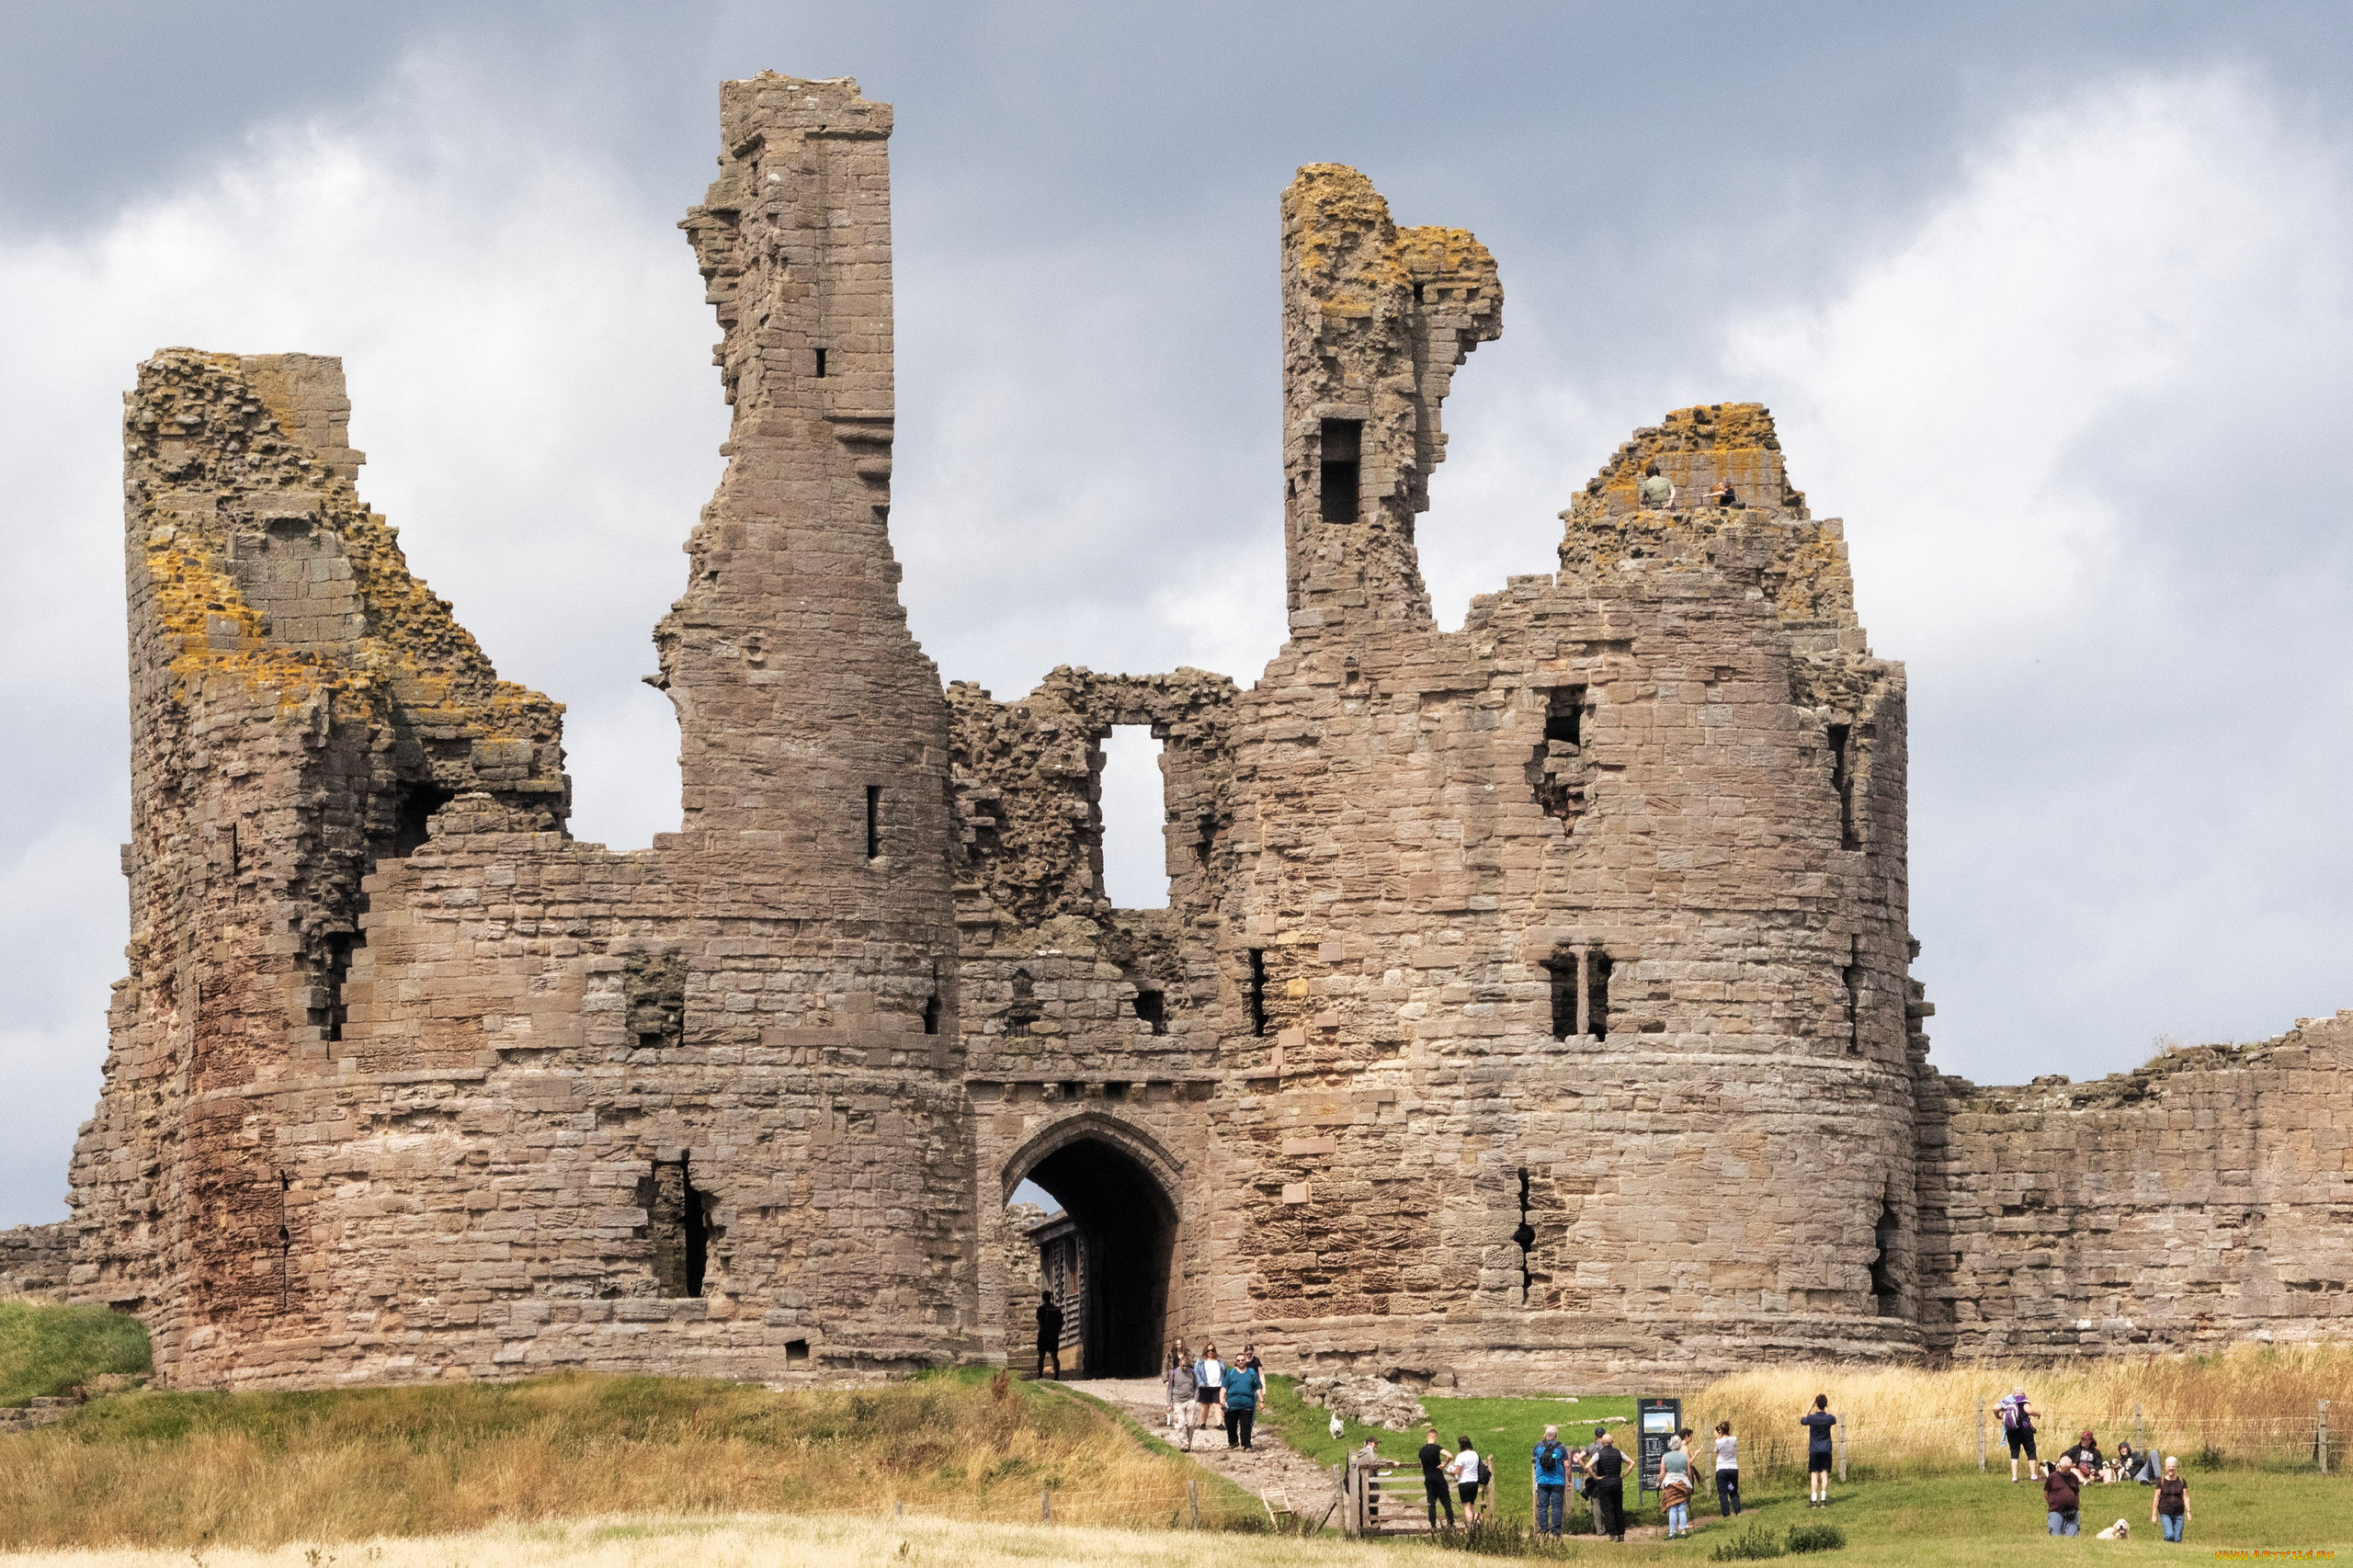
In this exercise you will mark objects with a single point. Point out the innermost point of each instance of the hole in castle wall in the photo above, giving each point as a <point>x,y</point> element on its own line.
<point>1852,977</point>
<point>1886,1290</point>
<point>677,1223</point>
<point>1597,993</point>
<point>821,362</point>
<point>931,1014</point>
<point>327,1012</point>
<point>874,821</point>
<point>1152,1006</point>
<point>654,987</point>
<point>1133,802</point>
<point>410,829</point>
<point>1840,740</point>
<point>1339,461</point>
<point>1524,1238</point>
<point>1580,992</point>
<point>1556,769</point>
<point>795,1350</point>
<point>1257,991</point>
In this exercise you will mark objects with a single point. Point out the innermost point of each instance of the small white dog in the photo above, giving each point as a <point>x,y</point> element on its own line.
<point>2120,1530</point>
<point>1339,1428</point>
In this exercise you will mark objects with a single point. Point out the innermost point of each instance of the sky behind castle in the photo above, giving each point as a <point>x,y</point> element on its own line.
<point>2054,304</point>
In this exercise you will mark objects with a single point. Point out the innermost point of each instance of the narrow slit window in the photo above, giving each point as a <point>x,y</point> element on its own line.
<point>1341,456</point>
<point>1257,991</point>
<point>1597,993</point>
<point>821,363</point>
<point>931,1014</point>
<point>1524,1238</point>
<point>1564,977</point>
<point>328,1013</point>
<point>1887,1290</point>
<point>1852,975</point>
<point>678,1222</point>
<point>874,821</point>
<point>1842,780</point>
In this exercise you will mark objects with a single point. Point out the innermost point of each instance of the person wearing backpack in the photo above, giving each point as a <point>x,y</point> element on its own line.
<point>2017,1431</point>
<point>1549,1478</point>
<point>1468,1470</point>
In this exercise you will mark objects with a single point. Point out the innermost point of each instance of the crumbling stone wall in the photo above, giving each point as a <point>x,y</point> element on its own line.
<point>1530,1008</point>
<point>2205,1198</point>
<point>33,1260</point>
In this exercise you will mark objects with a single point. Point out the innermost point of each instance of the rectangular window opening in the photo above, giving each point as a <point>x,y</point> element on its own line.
<point>328,1013</point>
<point>931,1014</point>
<point>1597,993</point>
<point>821,362</point>
<point>874,821</point>
<point>1340,457</point>
<point>1842,780</point>
<point>1152,1006</point>
<point>1257,991</point>
<point>678,1222</point>
<point>795,1350</point>
<point>1131,813</point>
<point>1580,988</point>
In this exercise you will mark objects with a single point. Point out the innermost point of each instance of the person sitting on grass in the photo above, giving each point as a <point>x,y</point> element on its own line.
<point>2087,1458</point>
<point>2170,1504</point>
<point>1817,1422</point>
<point>2063,1493</point>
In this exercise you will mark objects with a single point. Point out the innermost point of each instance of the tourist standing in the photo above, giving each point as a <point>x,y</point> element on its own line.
<point>2062,1494</point>
<point>1727,1470</point>
<point>1605,1473</point>
<point>1817,1422</point>
<point>1209,1378</point>
<point>1435,1491</point>
<point>1184,1393</point>
<point>1243,1383</point>
<point>1549,1475</point>
<point>1658,491</point>
<point>1674,1486</point>
<point>2017,1431</point>
<point>1050,1334</point>
<point>1369,1463</point>
<point>2170,1506</point>
<point>1466,1480</point>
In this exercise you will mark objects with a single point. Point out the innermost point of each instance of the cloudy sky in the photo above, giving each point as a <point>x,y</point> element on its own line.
<point>2055,304</point>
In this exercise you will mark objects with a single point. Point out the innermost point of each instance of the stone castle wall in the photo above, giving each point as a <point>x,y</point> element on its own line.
<point>1530,1008</point>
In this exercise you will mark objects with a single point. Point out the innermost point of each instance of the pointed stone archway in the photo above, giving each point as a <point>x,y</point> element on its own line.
<point>1119,1190</point>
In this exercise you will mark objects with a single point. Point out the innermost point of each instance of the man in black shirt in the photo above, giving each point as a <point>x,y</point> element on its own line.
<point>1434,1488</point>
<point>1607,1466</point>
<point>1050,1337</point>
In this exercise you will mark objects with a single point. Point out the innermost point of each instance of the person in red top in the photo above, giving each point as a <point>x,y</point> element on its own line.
<point>2063,1492</point>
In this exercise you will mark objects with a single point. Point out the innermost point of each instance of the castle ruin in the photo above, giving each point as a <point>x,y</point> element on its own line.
<point>1530,1008</point>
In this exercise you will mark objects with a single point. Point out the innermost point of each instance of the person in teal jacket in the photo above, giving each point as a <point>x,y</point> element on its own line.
<point>1243,1384</point>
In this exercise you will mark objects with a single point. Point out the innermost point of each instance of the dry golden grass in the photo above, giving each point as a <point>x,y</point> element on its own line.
<point>764,1542</point>
<point>2251,1404</point>
<point>183,1470</point>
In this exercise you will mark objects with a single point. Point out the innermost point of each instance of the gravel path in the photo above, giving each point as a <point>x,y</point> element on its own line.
<point>1271,1467</point>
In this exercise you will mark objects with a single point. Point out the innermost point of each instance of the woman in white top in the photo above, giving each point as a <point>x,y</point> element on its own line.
<point>1727,1470</point>
<point>1466,1482</point>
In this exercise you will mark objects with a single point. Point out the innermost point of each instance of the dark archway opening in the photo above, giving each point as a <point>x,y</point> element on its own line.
<point>1126,1231</point>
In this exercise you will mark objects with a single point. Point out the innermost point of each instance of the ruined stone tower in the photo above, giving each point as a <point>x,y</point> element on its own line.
<point>1530,1008</point>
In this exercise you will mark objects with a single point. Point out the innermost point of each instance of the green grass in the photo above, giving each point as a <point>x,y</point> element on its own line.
<point>47,1350</point>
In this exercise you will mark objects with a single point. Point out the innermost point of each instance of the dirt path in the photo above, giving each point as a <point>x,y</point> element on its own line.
<point>1271,1467</point>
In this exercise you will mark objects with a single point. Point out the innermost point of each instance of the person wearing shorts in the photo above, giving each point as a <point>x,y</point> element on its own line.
<point>1466,1480</point>
<point>1817,1422</point>
<point>1209,1384</point>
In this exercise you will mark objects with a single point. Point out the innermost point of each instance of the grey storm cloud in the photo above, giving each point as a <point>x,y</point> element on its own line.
<point>2054,304</point>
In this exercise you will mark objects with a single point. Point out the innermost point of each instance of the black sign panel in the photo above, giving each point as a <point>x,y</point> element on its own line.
<point>1656,1420</point>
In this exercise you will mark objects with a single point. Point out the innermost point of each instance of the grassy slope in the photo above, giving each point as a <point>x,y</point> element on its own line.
<point>182,1469</point>
<point>46,1350</point>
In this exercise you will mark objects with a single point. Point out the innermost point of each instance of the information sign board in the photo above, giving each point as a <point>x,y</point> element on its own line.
<point>1656,1420</point>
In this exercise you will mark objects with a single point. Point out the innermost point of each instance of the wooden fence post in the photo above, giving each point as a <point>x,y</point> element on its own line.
<point>1842,1451</point>
<point>1046,1506</point>
<point>1981,1436</point>
<point>2140,1443</point>
<point>2323,1437</point>
<point>1193,1503</point>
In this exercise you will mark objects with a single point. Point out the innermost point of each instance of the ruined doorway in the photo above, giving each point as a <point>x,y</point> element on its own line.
<point>1123,1225</point>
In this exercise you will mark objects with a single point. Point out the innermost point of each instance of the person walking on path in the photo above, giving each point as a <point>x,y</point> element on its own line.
<point>1209,1378</point>
<point>1183,1396</point>
<point>1549,1479</point>
<point>2017,1431</point>
<point>1727,1470</point>
<point>1674,1486</point>
<point>1467,1472</point>
<point>1817,1422</point>
<point>1435,1491</point>
<point>1049,1335</point>
<point>2062,1494</point>
<point>1243,1383</point>
<point>1606,1473</point>
<point>2170,1506</point>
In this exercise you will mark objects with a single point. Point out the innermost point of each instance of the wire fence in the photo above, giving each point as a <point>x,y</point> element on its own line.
<point>1878,1444</point>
